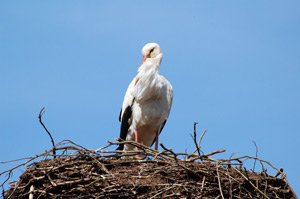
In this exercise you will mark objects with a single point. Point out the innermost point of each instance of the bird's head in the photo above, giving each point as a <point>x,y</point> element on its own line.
<point>152,52</point>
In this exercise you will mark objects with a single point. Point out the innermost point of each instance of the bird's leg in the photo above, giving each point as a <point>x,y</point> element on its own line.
<point>136,140</point>
<point>156,141</point>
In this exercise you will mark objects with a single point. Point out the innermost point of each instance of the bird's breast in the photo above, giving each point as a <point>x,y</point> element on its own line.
<point>150,112</point>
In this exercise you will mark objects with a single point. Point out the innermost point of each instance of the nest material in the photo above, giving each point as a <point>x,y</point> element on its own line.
<point>90,174</point>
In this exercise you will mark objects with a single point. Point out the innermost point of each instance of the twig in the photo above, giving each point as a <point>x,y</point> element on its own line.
<point>202,186</point>
<point>3,191</point>
<point>147,150</point>
<point>14,160</point>
<point>279,172</point>
<point>175,156</point>
<point>195,138</point>
<point>229,179</point>
<point>205,156</point>
<point>31,159</point>
<point>165,189</point>
<point>219,181</point>
<point>199,143</point>
<point>2,185</point>
<point>100,149</point>
<point>40,118</point>
<point>249,157</point>
<point>214,152</point>
<point>255,155</point>
<point>201,138</point>
<point>251,183</point>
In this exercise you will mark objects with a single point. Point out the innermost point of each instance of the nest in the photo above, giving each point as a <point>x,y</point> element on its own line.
<point>76,172</point>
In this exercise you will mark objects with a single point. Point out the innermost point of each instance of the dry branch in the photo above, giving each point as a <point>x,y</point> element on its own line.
<point>40,118</point>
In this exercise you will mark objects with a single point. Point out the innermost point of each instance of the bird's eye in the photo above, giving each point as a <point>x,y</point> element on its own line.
<point>151,51</point>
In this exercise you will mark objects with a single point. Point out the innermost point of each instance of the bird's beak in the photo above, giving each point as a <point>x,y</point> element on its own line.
<point>144,59</point>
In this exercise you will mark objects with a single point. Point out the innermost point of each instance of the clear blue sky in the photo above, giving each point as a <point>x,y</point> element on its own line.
<point>234,67</point>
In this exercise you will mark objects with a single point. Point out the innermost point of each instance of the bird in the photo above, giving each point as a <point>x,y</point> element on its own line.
<point>147,102</point>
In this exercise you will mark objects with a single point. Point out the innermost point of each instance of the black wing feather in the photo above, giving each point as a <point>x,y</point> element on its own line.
<point>120,115</point>
<point>124,125</point>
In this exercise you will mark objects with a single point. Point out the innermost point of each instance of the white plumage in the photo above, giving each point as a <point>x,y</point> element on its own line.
<point>147,101</point>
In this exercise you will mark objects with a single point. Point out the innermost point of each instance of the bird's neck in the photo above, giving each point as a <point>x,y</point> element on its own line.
<point>151,64</point>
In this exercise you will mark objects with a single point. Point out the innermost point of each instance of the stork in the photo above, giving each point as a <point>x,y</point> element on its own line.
<point>147,102</point>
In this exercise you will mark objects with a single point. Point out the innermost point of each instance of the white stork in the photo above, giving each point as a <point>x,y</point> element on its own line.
<point>147,102</point>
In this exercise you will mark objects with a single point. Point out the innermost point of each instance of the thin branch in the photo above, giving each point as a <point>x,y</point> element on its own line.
<point>199,143</point>
<point>201,138</point>
<point>255,154</point>
<point>195,138</point>
<point>251,183</point>
<point>40,118</point>
<point>214,152</point>
<point>170,150</point>
<point>219,181</point>
<point>5,162</point>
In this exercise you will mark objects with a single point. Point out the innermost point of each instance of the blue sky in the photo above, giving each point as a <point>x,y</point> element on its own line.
<point>234,67</point>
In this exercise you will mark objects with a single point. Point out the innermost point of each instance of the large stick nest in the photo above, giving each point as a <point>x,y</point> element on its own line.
<point>76,172</point>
